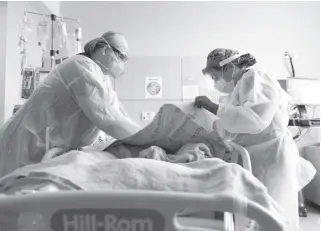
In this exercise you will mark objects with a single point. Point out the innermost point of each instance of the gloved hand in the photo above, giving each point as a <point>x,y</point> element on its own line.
<point>204,102</point>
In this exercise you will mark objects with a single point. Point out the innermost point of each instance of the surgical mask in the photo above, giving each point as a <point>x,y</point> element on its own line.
<point>223,86</point>
<point>116,70</point>
<point>102,65</point>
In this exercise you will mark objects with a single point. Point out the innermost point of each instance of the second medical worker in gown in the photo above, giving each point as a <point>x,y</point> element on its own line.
<point>70,107</point>
<point>254,115</point>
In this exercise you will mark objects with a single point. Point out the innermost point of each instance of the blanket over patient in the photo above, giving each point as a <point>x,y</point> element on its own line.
<point>117,167</point>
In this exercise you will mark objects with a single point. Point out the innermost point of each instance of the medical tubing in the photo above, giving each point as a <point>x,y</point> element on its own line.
<point>292,67</point>
<point>52,52</point>
<point>53,18</point>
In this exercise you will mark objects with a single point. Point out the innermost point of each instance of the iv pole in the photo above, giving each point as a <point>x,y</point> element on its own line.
<point>53,18</point>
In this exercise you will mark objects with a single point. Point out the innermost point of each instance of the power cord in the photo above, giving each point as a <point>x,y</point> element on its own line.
<point>308,130</point>
<point>292,67</point>
<point>291,63</point>
<point>295,115</point>
<point>298,134</point>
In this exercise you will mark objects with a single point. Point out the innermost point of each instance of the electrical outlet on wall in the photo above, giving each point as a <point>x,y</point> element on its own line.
<point>292,54</point>
<point>145,115</point>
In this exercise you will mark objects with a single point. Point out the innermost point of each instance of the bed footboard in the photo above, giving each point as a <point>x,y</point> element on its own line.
<point>128,210</point>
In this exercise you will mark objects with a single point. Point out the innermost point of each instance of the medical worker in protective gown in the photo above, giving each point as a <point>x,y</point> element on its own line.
<point>70,107</point>
<point>254,114</point>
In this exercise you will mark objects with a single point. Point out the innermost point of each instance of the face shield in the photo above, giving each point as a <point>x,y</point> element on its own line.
<point>121,56</point>
<point>215,70</point>
<point>117,67</point>
<point>214,73</point>
<point>228,60</point>
<point>217,74</point>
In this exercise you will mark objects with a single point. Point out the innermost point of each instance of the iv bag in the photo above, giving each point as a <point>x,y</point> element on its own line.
<point>61,33</point>
<point>78,33</point>
<point>25,29</point>
<point>42,33</point>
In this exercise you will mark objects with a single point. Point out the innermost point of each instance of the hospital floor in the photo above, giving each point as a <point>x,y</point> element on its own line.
<point>312,221</point>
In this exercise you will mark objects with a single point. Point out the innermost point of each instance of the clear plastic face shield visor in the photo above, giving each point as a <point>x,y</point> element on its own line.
<point>120,58</point>
<point>207,69</point>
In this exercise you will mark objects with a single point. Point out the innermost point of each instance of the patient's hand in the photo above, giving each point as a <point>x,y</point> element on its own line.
<point>188,153</point>
<point>154,152</point>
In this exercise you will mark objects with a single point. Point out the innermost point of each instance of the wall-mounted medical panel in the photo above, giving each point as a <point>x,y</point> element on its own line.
<point>193,78</point>
<point>131,86</point>
<point>192,69</point>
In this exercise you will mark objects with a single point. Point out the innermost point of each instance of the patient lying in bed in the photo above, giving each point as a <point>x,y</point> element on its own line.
<point>99,170</point>
<point>146,161</point>
<point>173,136</point>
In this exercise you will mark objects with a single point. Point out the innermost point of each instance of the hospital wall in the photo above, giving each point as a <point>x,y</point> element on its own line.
<point>178,73</point>
<point>266,29</point>
<point>172,39</point>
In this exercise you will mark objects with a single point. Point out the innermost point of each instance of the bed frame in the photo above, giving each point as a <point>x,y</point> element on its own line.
<point>136,210</point>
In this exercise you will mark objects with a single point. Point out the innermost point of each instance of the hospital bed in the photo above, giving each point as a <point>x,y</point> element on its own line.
<point>135,210</point>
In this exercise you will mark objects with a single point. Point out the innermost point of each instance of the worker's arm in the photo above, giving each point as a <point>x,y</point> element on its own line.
<point>206,103</point>
<point>98,102</point>
<point>258,106</point>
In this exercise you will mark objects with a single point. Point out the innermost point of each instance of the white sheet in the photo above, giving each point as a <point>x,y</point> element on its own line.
<point>90,171</point>
<point>95,171</point>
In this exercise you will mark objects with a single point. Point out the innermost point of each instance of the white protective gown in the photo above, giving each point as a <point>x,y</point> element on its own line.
<point>255,116</point>
<point>67,110</point>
